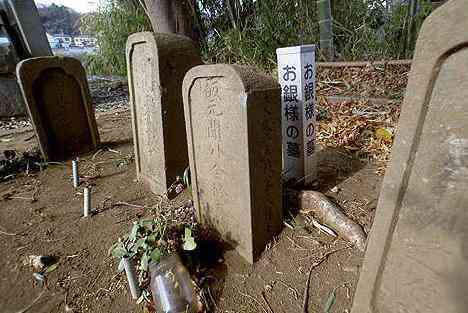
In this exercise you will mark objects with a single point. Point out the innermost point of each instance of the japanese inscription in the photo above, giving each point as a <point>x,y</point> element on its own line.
<point>233,124</point>
<point>296,73</point>
<point>156,65</point>
<point>214,133</point>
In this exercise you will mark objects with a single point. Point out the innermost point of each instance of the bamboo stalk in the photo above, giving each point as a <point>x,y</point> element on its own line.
<point>411,35</point>
<point>326,29</point>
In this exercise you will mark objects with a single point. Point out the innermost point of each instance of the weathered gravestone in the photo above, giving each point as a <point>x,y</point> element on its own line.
<point>58,101</point>
<point>233,119</point>
<point>417,256</point>
<point>156,65</point>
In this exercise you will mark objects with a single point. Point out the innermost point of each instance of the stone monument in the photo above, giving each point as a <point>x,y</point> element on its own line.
<point>233,120</point>
<point>58,101</point>
<point>156,66</point>
<point>417,256</point>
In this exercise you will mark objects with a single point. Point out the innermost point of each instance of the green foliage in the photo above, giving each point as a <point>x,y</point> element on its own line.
<point>147,242</point>
<point>114,21</point>
<point>249,32</point>
<point>330,301</point>
<point>366,30</point>
<point>266,27</point>
<point>363,30</point>
<point>189,241</point>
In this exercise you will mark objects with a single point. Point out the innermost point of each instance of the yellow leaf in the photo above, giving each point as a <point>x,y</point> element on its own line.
<point>384,134</point>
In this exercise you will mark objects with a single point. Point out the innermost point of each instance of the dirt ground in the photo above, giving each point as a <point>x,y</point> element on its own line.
<point>86,279</point>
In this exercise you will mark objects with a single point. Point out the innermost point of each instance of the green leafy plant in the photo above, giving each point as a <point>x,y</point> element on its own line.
<point>330,301</point>
<point>189,241</point>
<point>147,243</point>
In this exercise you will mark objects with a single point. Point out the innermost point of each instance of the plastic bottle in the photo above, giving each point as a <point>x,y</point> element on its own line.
<point>171,286</point>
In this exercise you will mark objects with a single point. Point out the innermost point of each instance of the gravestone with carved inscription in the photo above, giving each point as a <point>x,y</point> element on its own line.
<point>417,256</point>
<point>58,101</point>
<point>156,66</point>
<point>233,119</point>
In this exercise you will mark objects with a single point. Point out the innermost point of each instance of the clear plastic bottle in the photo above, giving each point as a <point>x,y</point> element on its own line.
<point>171,286</point>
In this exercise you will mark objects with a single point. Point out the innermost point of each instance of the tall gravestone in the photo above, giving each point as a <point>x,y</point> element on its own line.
<point>156,65</point>
<point>417,256</point>
<point>233,120</point>
<point>58,101</point>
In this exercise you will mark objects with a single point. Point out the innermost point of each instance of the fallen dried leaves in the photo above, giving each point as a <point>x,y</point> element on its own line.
<point>388,81</point>
<point>362,128</point>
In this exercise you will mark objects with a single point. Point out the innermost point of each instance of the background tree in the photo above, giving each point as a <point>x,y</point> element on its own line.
<point>113,22</point>
<point>249,32</point>
<point>59,19</point>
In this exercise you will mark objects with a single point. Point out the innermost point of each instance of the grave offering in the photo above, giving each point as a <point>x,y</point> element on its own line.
<point>296,74</point>
<point>57,98</point>
<point>156,65</point>
<point>233,116</point>
<point>417,256</point>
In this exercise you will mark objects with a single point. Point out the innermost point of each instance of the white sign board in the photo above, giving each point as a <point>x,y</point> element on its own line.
<point>296,74</point>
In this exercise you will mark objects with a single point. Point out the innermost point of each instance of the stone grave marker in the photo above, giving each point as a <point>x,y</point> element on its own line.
<point>296,74</point>
<point>157,64</point>
<point>58,101</point>
<point>233,119</point>
<point>417,255</point>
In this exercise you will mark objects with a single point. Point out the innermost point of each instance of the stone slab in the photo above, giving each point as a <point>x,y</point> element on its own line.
<point>11,100</point>
<point>157,64</point>
<point>58,101</point>
<point>8,59</point>
<point>417,256</point>
<point>24,28</point>
<point>233,120</point>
